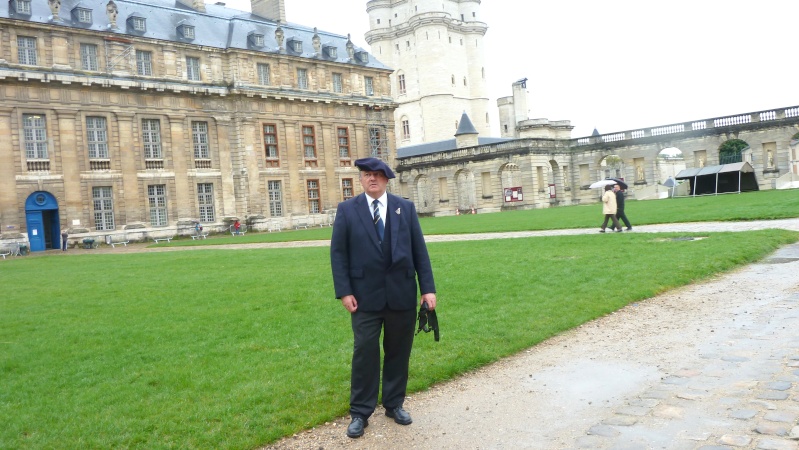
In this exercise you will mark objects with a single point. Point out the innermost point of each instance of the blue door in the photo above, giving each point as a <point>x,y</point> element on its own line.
<point>42,223</point>
<point>35,230</point>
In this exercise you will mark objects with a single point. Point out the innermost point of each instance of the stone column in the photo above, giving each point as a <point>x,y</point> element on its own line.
<point>70,161</point>
<point>184,199</point>
<point>132,199</point>
<point>170,63</point>
<point>225,131</point>
<point>60,43</point>
<point>9,165</point>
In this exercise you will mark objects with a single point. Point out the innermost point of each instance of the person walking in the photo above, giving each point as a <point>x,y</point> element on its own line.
<point>377,254</point>
<point>620,207</point>
<point>609,209</point>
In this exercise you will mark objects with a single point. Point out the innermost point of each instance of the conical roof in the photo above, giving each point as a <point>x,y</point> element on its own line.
<point>465,126</point>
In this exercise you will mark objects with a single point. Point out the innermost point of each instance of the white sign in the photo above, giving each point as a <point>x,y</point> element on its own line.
<point>35,232</point>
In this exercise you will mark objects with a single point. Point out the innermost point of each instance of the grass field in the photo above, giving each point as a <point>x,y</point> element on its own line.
<point>762,205</point>
<point>237,348</point>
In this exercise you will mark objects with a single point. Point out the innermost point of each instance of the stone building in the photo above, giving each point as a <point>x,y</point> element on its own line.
<point>536,164</point>
<point>130,120</point>
<point>436,49</point>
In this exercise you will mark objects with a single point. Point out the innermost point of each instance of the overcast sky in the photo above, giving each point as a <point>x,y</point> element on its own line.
<point>620,64</point>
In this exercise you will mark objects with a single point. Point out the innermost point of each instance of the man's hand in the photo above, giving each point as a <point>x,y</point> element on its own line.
<point>349,302</point>
<point>429,298</point>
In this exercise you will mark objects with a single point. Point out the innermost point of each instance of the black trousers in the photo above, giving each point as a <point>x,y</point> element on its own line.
<point>398,328</point>
<point>623,217</point>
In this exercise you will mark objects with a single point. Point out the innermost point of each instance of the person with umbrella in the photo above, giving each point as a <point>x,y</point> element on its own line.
<point>609,209</point>
<point>620,206</point>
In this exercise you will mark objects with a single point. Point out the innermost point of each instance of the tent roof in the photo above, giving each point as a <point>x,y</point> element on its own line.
<point>710,170</point>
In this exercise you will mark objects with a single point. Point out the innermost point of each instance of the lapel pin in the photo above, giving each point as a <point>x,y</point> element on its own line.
<point>397,211</point>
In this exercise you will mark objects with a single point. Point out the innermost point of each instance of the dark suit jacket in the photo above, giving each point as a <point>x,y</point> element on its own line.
<point>357,260</point>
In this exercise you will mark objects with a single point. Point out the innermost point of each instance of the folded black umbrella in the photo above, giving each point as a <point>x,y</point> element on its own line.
<point>428,321</point>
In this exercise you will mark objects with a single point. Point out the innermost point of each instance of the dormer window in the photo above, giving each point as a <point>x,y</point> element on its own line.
<point>362,57</point>
<point>330,51</point>
<point>295,45</point>
<point>256,39</point>
<point>138,23</point>
<point>22,6</point>
<point>187,31</point>
<point>83,15</point>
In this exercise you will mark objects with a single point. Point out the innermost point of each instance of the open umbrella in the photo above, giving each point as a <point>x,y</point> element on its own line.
<point>602,183</point>
<point>621,183</point>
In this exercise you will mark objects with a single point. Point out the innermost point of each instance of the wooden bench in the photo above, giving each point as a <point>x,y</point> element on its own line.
<point>114,244</point>
<point>242,230</point>
<point>157,240</point>
<point>199,236</point>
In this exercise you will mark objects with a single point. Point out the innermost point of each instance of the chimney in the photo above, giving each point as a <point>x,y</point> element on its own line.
<point>269,9</point>
<point>197,5</point>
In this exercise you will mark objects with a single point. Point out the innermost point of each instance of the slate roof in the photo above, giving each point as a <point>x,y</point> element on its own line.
<point>442,146</point>
<point>465,126</point>
<point>218,27</point>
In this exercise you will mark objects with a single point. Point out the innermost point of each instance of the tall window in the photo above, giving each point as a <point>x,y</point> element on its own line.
<point>401,79</point>
<point>97,137</point>
<point>192,68</point>
<point>270,146</point>
<point>103,208</point>
<point>275,199</point>
<point>199,135</point>
<point>156,196</point>
<point>302,78</point>
<point>263,74</point>
<point>344,146</point>
<point>26,49</point>
<point>368,83</point>
<point>338,85</point>
<point>377,144</point>
<point>314,202</point>
<point>151,138</point>
<point>35,136</point>
<point>205,198</point>
<point>309,144</point>
<point>144,65</point>
<point>88,56</point>
<point>346,188</point>
<point>406,129</point>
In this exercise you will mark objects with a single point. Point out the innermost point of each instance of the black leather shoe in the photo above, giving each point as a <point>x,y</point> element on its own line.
<point>399,415</point>
<point>355,430</point>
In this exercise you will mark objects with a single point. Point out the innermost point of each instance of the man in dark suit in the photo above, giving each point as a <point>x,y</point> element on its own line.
<point>620,207</point>
<point>377,252</point>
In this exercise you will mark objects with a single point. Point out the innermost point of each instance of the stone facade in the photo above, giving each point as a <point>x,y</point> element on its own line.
<point>146,131</point>
<point>436,49</point>
<point>558,171</point>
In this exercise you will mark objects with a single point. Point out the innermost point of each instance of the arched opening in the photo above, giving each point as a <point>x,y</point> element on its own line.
<point>611,166</point>
<point>670,161</point>
<point>556,179</point>
<point>464,182</point>
<point>42,221</point>
<point>731,151</point>
<point>424,194</point>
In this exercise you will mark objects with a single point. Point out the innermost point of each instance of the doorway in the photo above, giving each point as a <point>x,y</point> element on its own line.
<point>42,221</point>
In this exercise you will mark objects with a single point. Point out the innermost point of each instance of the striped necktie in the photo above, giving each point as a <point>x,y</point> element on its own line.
<point>378,221</point>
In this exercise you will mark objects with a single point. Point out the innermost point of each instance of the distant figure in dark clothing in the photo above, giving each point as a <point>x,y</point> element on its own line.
<point>620,207</point>
<point>64,236</point>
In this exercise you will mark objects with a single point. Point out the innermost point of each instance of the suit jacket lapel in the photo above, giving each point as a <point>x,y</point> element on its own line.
<point>393,222</point>
<point>366,219</point>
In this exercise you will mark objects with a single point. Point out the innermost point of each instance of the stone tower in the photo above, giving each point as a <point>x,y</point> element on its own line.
<point>436,50</point>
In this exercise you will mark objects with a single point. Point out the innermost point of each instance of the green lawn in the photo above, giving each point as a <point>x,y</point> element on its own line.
<point>761,205</point>
<point>237,348</point>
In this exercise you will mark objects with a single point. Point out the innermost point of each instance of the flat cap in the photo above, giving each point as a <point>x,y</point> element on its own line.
<point>374,165</point>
